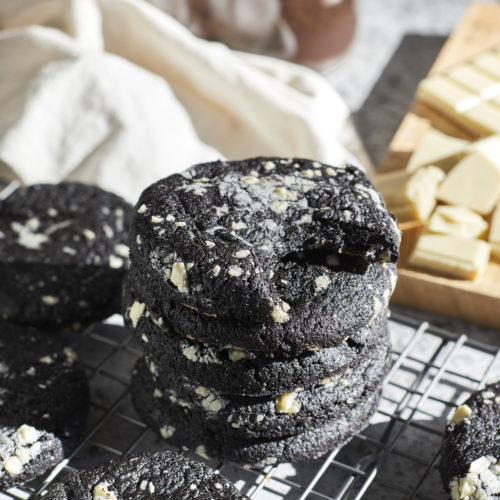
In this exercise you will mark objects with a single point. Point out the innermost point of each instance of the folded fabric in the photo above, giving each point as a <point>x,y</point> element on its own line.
<point>117,93</point>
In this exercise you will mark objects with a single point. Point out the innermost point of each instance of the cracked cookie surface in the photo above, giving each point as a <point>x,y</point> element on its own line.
<point>227,238</point>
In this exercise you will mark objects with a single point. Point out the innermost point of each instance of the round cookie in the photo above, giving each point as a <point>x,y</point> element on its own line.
<point>266,240</point>
<point>310,444</point>
<point>160,474</point>
<point>26,453</point>
<point>63,254</point>
<point>470,452</point>
<point>315,325</point>
<point>265,417</point>
<point>39,384</point>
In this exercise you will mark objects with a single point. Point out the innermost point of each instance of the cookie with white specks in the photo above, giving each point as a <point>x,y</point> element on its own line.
<point>63,254</point>
<point>158,475</point>
<point>26,453</point>
<point>352,302</point>
<point>270,241</point>
<point>313,442</point>
<point>233,370</point>
<point>470,453</point>
<point>39,383</point>
<point>261,417</point>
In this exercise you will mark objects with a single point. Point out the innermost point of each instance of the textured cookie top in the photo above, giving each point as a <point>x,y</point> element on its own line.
<point>470,454</point>
<point>217,234</point>
<point>64,224</point>
<point>149,475</point>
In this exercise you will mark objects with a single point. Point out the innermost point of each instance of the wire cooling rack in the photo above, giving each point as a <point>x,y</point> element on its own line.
<point>395,457</point>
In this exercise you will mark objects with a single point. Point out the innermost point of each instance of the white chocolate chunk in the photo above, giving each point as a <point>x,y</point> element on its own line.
<point>461,413</point>
<point>122,250</point>
<point>474,182</point>
<point>13,466</point>
<point>322,282</point>
<point>102,492</point>
<point>50,300</point>
<point>287,403</point>
<point>178,276</point>
<point>216,270</point>
<point>89,234</point>
<point>167,431</point>
<point>115,262</point>
<point>135,312</point>
<point>235,271</point>
<point>236,226</point>
<point>457,221</point>
<point>450,255</point>
<point>28,434</point>
<point>436,148</point>
<point>241,254</point>
<point>142,209</point>
<point>279,315</point>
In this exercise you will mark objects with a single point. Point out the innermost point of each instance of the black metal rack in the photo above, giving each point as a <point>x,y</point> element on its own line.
<point>395,457</point>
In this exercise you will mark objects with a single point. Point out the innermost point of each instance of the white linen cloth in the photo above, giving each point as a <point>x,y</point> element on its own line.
<point>119,94</point>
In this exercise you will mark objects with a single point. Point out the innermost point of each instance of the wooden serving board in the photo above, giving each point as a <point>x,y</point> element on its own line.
<point>477,301</point>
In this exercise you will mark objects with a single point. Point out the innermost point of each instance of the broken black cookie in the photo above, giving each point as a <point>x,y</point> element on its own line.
<point>353,301</point>
<point>161,474</point>
<point>39,383</point>
<point>261,417</point>
<point>63,254</point>
<point>26,453</point>
<point>470,453</point>
<point>265,240</point>
<point>313,443</point>
<point>233,370</point>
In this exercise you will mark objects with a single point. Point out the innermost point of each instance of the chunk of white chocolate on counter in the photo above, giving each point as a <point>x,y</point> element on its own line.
<point>494,235</point>
<point>459,221</point>
<point>411,196</point>
<point>474,182</point>
<point>436,148</point>
<point>451,256</point>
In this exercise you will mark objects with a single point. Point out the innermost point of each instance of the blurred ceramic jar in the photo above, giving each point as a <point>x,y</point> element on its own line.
<point>311,32</point>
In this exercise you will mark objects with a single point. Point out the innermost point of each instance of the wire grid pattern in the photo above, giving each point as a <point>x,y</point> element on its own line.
<point>395,457</point>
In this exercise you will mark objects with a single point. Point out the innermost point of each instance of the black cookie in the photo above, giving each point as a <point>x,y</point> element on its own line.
<point>39,384</point>
<point>265,240</point>
<point>63,254</point>
<point>232,370</point>
<point>345,312</point>
<point>313,443</point>
<point>264,417</point>
<point>470,453</point>
<point>26,453</point>
<point>161,475</point>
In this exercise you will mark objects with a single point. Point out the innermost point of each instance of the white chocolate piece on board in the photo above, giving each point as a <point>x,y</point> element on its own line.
<point>411,196</point>
<point>474,182</point>
<point>456,220</point>
<point>436,148</point>
<point>452,256</point>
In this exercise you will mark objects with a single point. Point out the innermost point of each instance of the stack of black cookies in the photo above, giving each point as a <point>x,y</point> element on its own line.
<point>259,292</point>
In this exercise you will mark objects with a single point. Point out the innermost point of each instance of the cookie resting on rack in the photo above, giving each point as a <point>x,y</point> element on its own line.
<point>470,452</point>
<point>158,475</point>
<point>63,254</point>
